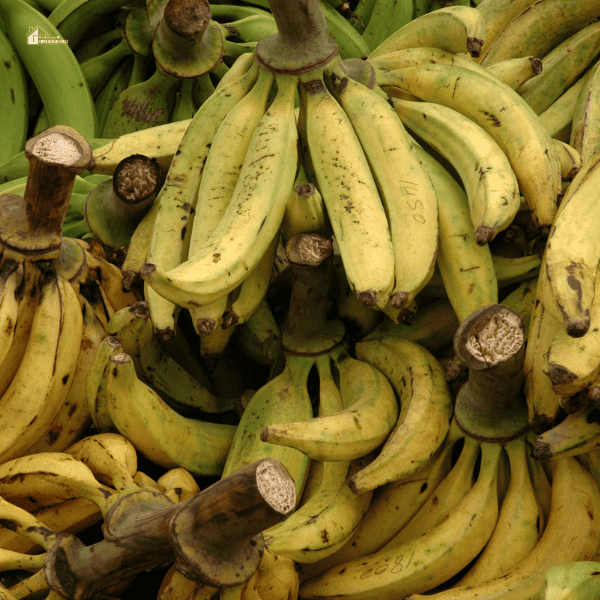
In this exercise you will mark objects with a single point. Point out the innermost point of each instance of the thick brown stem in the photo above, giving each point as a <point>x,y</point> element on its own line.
<point>303,41</point>
<point>491,406</point>
<point>31,226</point>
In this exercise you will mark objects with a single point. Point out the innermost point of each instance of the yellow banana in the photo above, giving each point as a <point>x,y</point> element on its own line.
<point>423,563</point>
<point>570,160</point>
<point>243,234</point>
<point>10,279</point>
<point>425,415</point>
<point>178,484</point>
<point>514,72</point>
<point>492,188</point>
<point>402,181</point>
<point>505,116</point>
<point>584,133</point>
<point>276,577</point>
<point>349,191</point>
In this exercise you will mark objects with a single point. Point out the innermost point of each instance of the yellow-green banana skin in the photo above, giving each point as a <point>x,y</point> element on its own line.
<point>578,580</point>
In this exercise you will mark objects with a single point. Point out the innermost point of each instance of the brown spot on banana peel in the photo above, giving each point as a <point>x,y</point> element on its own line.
<point>560,375</point>
<point>483,235</point>
<point>368,298</point>
<point>474,46</point>
<point>541,451</point>
<point>540,423</point>
<point>536,65</point>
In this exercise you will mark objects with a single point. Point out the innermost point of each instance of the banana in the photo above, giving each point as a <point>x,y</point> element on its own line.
<point>45,373</point>
<point>349,191</point>
<point>243,234</point>
<point>277,577</point>
<point>446,496</point>
<point>573,362</point>
<point>425,415</point>
<point>219,178</point>
<point>177,586</point>
<point>578,433</point>
<point>453,28</point>
<point>497,14</point>
<point>505,116</point>
<point>420,564</point>
<point>178,484</point>
<point>184,106</point>
<point>53,68</point>
<point>179,194</point>
<point>386,18</point>
<point>392,506</point>
<point>571,580</point>
<point>541,483</point>
<point>10,279</point>
<point>571,258</point>
<point>562,67</point>
<point>47,478</point>
<point>284,396</point>
<point>97,70</point>
<point>14,102</point>
<point>73,416</point>
<point>570,160</point>
<point>492,188</point>
<point>159,433</point>
<point>369,414</point>
<point>466,268</point>
<point>519,526</point>
<point>160,142</point>
<point>584,136</point>
<point>515,72</point>
<point>411,207</point>
<point>571,533</point>
<point>539,28</point>
<point>558,117</point>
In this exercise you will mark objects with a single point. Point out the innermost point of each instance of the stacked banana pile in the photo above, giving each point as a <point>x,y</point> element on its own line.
<point>386,210</point>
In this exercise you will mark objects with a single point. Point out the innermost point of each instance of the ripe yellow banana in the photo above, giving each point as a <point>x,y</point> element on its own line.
<point>451,28</point>
<point>402,181</point>
<point>505,116</point>
<point>539,480</point>
<point>162,435</point>
<point>285,395</point>
<point>45,374</point>
<point>252,218</point>
<point>466,268</point>
<point>178,484</point>
<point>10,278</point>
<point>571,257</point>
<point>540,27</point>
<point>584,131</point>
<point>519,526</point>
<point>349,191</point>
<point>369,414</point>
<point>276,577</point>
<point>492,188</point>
<point>423,563</point>
<point>570,160</point>
<point>571,533</point>
<point>514,72</point>
<point>425,410</point>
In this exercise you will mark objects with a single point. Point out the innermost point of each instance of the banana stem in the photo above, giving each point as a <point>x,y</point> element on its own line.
<point>303,42</point>
<point>491,406</point>
<point>32,225</point>
<point>307,329</point>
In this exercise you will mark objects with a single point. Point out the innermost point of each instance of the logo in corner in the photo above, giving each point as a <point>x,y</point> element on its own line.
<point>37,35</point>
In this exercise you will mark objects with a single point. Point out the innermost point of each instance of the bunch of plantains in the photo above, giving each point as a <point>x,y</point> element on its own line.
<point>299,299</point>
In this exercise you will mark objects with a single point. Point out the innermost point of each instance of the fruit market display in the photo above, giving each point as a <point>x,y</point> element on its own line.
<point>299,299</point>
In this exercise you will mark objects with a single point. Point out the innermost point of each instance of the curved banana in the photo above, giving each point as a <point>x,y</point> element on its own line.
<point>420,564</point>
<point>158,432</point>
<point>178,484</point>
<point>45,373</point>
<point>571,533</point>
<point>285,395</point>
<point>452,28</point>
<point>578,433</point>
<point>570,160</point>
<point>520,523</point>
<point>10,278</point>
<point>47,478</point>
<point>541,483</point>
<point>369,414</point>
<point>466,268</point>
<point>584,133</point>
<point>538,28</point>
<point>276,577</point>
<point>349,191</point>
<point>111,457</point>
<point>446,496</point>
<point>402,181</point>
<point>514,72</point>
<point>492,188</point>
<point>14,101</point>
<point>572,580</point>
<point>562,67</point>
<point>178,195</point>
<point>247,227</point>
<point>426,410</point>
<point>385,19</point>
<point>505,116</point>
<point>571,257</point>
